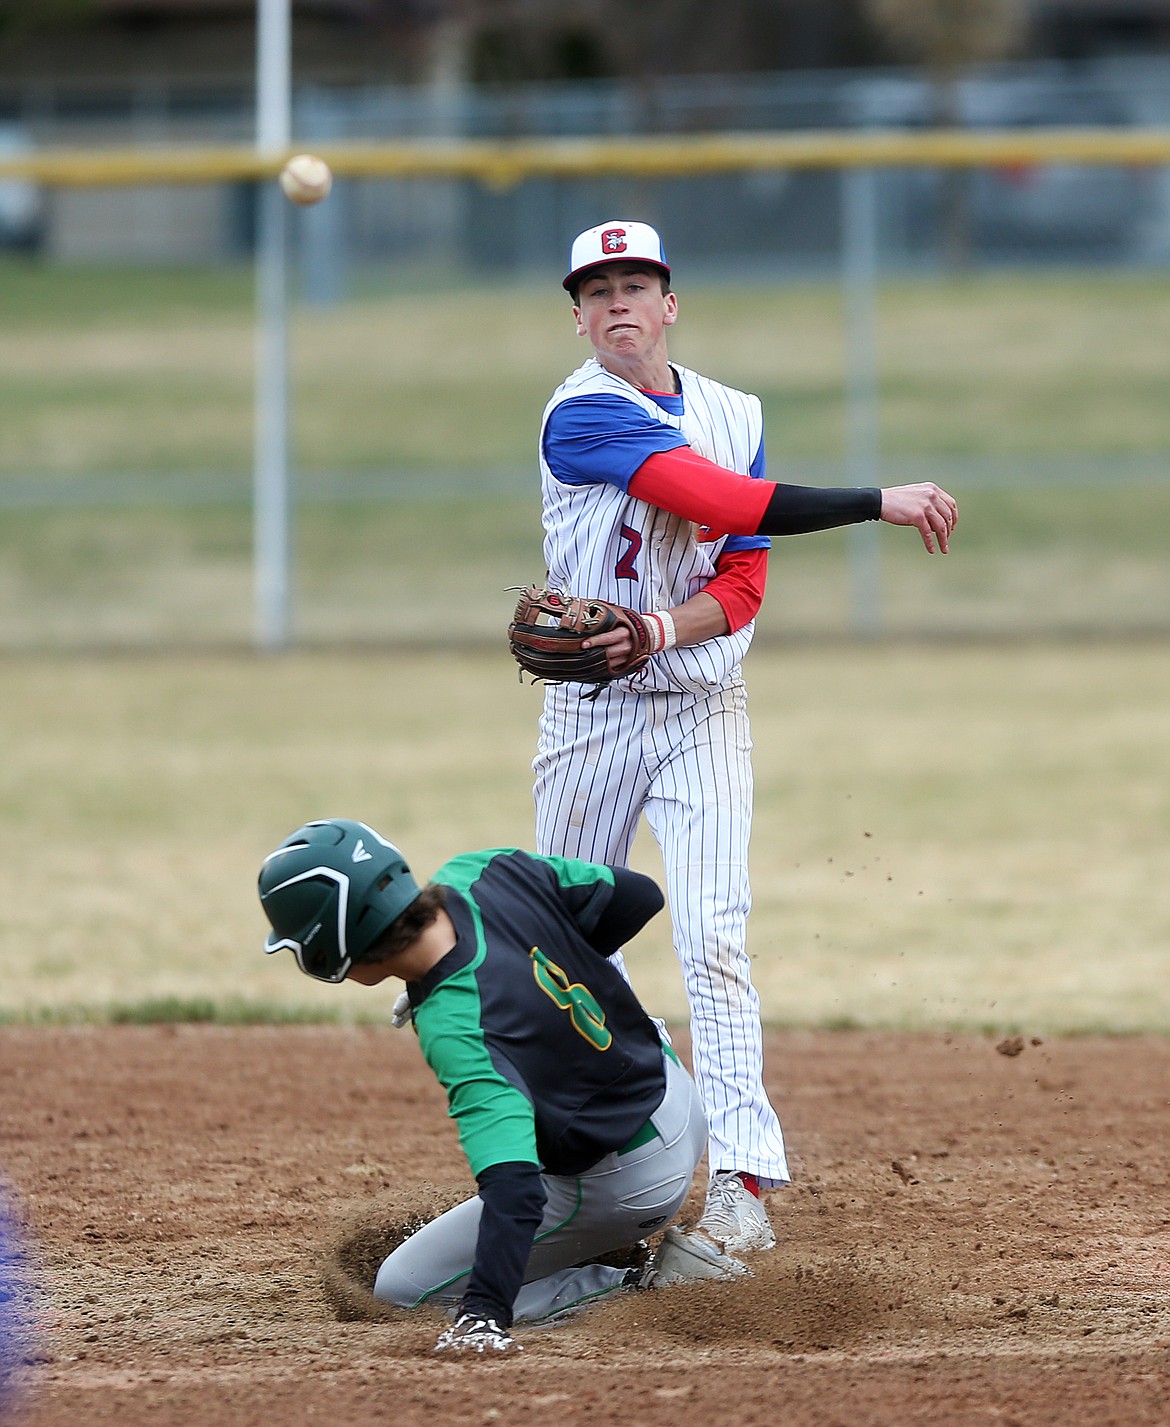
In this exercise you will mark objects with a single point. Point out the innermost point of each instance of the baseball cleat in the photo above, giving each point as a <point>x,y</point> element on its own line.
<point>734,1219</point>
<point>472,1334</point>
<point>686,1258</point>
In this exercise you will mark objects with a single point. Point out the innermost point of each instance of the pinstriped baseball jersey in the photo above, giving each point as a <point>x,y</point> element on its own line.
<point>602,542</point>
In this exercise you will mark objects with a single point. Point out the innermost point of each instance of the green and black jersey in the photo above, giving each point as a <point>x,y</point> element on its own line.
<point>541,1045</point>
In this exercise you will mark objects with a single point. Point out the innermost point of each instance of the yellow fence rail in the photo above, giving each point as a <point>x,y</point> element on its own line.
<point>503,163</point>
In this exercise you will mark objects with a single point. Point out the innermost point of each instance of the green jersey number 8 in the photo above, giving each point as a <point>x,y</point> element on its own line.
<point>586,1015</point>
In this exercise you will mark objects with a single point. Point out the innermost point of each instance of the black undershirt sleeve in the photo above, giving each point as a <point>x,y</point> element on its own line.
<point>797,510</point>
<point>513,1197</point>
<point>635,900</point>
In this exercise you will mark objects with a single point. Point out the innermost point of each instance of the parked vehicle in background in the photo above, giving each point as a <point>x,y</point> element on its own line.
<point>1056,212</point>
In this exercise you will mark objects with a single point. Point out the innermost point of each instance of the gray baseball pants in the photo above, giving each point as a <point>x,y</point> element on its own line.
<point>617,1201</point>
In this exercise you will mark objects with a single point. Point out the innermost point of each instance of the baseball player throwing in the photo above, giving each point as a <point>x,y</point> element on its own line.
<point>580,1125</point>
<point>654,497</point>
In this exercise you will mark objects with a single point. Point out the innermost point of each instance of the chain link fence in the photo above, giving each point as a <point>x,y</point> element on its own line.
<point>1017,317</point>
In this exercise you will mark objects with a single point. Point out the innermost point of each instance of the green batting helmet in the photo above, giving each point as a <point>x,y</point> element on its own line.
<point>330,891</point>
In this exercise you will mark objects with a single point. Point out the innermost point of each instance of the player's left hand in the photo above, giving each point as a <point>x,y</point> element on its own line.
<point>562,638</point>
<point>926,506</point>
<point>472,1334</point>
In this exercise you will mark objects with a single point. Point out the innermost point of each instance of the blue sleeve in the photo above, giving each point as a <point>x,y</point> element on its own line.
<point>591,439</point>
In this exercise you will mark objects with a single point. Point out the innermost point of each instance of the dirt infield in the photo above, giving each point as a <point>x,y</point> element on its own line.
<point>976,1234</point>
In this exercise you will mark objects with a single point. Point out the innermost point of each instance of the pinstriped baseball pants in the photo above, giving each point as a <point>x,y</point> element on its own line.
<point>684,762</point>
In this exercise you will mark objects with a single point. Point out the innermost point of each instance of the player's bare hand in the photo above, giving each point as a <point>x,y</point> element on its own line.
<point>926,506</point>
<point>618,645</point>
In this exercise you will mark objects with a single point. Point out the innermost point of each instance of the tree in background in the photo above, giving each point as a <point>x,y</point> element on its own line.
<point>948,38</point>
<point>517,40</point>
<point>23,16</point>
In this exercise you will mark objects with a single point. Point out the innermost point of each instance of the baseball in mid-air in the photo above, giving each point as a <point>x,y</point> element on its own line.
<point>306,179</point>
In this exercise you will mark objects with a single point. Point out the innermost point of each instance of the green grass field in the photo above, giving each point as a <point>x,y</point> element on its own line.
<point>1040,561</point>
<point>950,832</point>
<point>126,411</point>
<point>974,838</point>
<point>110,371</point>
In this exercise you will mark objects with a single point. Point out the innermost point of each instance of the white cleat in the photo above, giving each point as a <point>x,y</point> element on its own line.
<point>686,1258</point>
<point>472,1334</point>
<point>734,1219</point>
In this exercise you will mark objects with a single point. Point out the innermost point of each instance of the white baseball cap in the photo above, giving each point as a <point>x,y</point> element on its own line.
<point>621,241</point>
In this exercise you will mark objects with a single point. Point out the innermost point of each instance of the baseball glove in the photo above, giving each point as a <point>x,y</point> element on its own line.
<point>549,629</point>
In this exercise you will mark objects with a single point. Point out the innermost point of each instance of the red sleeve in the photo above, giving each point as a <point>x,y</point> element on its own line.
<point>689,485</point>
<point>738,585</point>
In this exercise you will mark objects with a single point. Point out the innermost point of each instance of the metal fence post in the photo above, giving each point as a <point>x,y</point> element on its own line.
<point>862,442</point>
<point>271,504</point>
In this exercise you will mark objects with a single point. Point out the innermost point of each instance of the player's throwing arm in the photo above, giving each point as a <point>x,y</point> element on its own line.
<point>687,484</point>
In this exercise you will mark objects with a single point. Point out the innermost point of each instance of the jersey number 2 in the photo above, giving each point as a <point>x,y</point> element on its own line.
<point>626,569</point>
